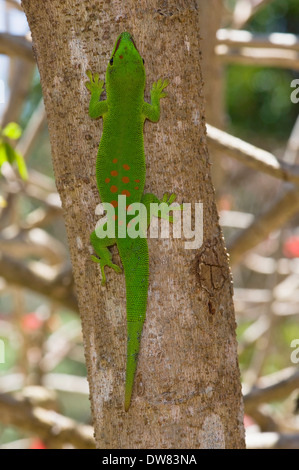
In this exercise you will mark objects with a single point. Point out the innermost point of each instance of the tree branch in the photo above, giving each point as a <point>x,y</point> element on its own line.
<point>267,57</point>
<point>279,213</point>
<point>272,219</point>
<point>267,265</point>
<point>59,288</point>
<point>22,73</point>
<point>252,156</point>
<point>56,429</point>
<point>245,9</point>
<point>273,387</point>
<point>34,242</point>
<point>16,46</point>
<point>34,126</point>
<point>14,4</point>
<point>237,39</point>
<point>272,440</point>
<point>291,151</point>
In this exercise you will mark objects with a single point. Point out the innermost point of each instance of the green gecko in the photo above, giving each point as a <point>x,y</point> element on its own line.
<point>120,170</point>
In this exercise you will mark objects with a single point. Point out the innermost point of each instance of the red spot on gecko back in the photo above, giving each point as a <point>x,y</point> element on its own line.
<point>125,179</point>
<point>114,203</point>
<point>114,160</point>
<point>125,192</point>
<point>113,189</point>
<point>121,57</point>
<point>126,167</point>
<point>107,180</point>
<point>137,181</point>
<point>114,173</point>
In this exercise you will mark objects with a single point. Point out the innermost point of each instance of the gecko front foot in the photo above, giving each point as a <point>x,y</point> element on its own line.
<point>94,84</point>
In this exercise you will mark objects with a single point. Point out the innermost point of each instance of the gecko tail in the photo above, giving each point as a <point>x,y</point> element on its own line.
<point>134,331</point>
<point>134,257</point>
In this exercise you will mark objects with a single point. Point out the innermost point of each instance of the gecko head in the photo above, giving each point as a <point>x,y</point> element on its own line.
<point>126,67</point>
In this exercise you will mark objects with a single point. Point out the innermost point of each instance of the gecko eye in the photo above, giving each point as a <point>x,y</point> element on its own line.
<point>143,61</point>
<point>111,61</point>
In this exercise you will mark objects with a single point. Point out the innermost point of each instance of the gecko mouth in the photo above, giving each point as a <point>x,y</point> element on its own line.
<point>134,43</point>
<point>119,41</point>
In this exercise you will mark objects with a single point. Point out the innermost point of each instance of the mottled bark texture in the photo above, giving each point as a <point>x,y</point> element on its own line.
<point>187,392</point>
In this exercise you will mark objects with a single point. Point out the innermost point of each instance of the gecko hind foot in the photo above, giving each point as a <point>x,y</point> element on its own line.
<point>104,263</point>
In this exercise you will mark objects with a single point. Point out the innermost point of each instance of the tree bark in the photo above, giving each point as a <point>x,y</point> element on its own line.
<point>187,390</point>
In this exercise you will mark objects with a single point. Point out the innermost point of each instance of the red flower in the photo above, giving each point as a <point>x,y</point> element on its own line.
<point>291,247</point>
<point>37,444</point>
<point>31,322</point>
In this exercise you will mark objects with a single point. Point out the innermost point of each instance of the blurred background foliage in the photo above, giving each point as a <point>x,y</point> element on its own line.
<point>258,102</point>
<point>259,110</point>
<point>258,98</point>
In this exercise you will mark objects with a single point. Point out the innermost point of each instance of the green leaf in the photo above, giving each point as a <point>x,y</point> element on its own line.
<point>12,130</point>
<point>21,166</point>
<point>3,155</point>
<point>10,153</point>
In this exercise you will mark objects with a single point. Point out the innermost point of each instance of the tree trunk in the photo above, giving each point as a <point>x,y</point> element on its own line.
<point>187,390</point>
